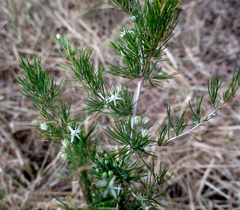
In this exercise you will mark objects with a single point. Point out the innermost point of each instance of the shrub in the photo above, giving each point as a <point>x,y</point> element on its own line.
<point>111,179</point>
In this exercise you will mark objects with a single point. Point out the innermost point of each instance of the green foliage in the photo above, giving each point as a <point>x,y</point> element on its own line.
<point>213,88</point>
<point>38,85</point>
<point>109,180</point>
<point>81,66</point>
<point>180,125</point>
<point>125,5</point>
<point>142,45</point>
<point>196,115</point>
<point>46,96</point>
<point>233,87</point>
<point>162,134</point>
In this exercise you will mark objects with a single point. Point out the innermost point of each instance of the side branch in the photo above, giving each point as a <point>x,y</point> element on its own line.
<point>207,118</point>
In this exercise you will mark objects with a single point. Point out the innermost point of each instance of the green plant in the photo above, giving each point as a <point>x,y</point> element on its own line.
<point>108,179</point>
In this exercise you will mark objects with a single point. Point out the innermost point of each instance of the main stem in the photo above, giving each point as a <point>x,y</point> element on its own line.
<point>137,93</point>
<point>136,98</point>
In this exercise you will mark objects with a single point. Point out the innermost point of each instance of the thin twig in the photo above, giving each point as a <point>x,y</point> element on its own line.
<point>210,116</point>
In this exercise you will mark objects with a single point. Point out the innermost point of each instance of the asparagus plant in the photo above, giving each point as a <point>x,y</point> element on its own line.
<point>110,179</point>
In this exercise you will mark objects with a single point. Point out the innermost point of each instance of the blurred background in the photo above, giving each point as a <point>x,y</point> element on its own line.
<point>205,168</point>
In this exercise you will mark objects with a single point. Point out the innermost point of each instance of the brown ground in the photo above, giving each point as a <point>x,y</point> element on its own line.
<point>206,168</point>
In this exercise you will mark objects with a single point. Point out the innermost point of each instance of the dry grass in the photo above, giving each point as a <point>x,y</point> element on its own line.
<point>206,168</point>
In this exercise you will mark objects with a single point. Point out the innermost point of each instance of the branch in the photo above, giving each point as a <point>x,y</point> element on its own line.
<point>207,118</point>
